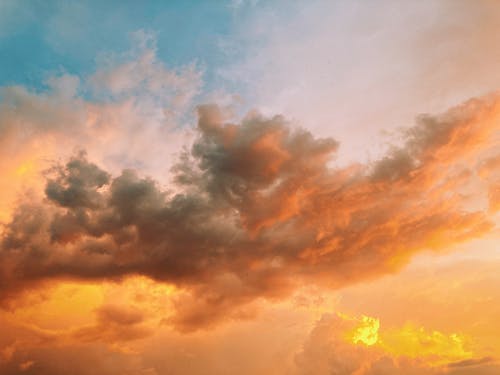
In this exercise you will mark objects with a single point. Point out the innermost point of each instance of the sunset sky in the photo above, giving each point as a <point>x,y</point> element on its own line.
<point>250,187</point>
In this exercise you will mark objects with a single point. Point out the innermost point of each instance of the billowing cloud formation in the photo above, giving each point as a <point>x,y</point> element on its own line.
<point>256,211</point>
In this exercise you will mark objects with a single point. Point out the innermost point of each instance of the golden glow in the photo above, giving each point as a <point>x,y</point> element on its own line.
<point>25,168</point>
<point>70,305</point>
<point>433,346</point>
<point>63,306</point>
<point>366,330</point>
<point>19,172</point>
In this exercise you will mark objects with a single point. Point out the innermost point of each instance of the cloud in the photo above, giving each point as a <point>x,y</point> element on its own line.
<point>130,112</point>
<point>354,70</point>
<point>332,348</point>
<point>471,362</point>
<point>257,211</point>
<point>75,187</point>
<point>115,324</point>
<point>77,359</point>
<point>139,71</point>
<point>329,350</point>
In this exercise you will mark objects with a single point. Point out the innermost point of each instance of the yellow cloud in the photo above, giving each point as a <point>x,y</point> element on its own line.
<point>417,342</point>
<point>365,331</point>
<point>432,346</point>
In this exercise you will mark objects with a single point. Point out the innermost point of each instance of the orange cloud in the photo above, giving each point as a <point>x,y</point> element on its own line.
<point>257,212</point>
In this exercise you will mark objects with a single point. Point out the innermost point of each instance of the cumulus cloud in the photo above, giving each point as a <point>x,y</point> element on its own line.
<point>258,210</point>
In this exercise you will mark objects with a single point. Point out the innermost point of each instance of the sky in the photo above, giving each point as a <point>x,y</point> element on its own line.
<point>250,187</point>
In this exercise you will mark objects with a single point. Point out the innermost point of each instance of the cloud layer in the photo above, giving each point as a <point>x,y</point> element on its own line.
<point>258,209</point>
